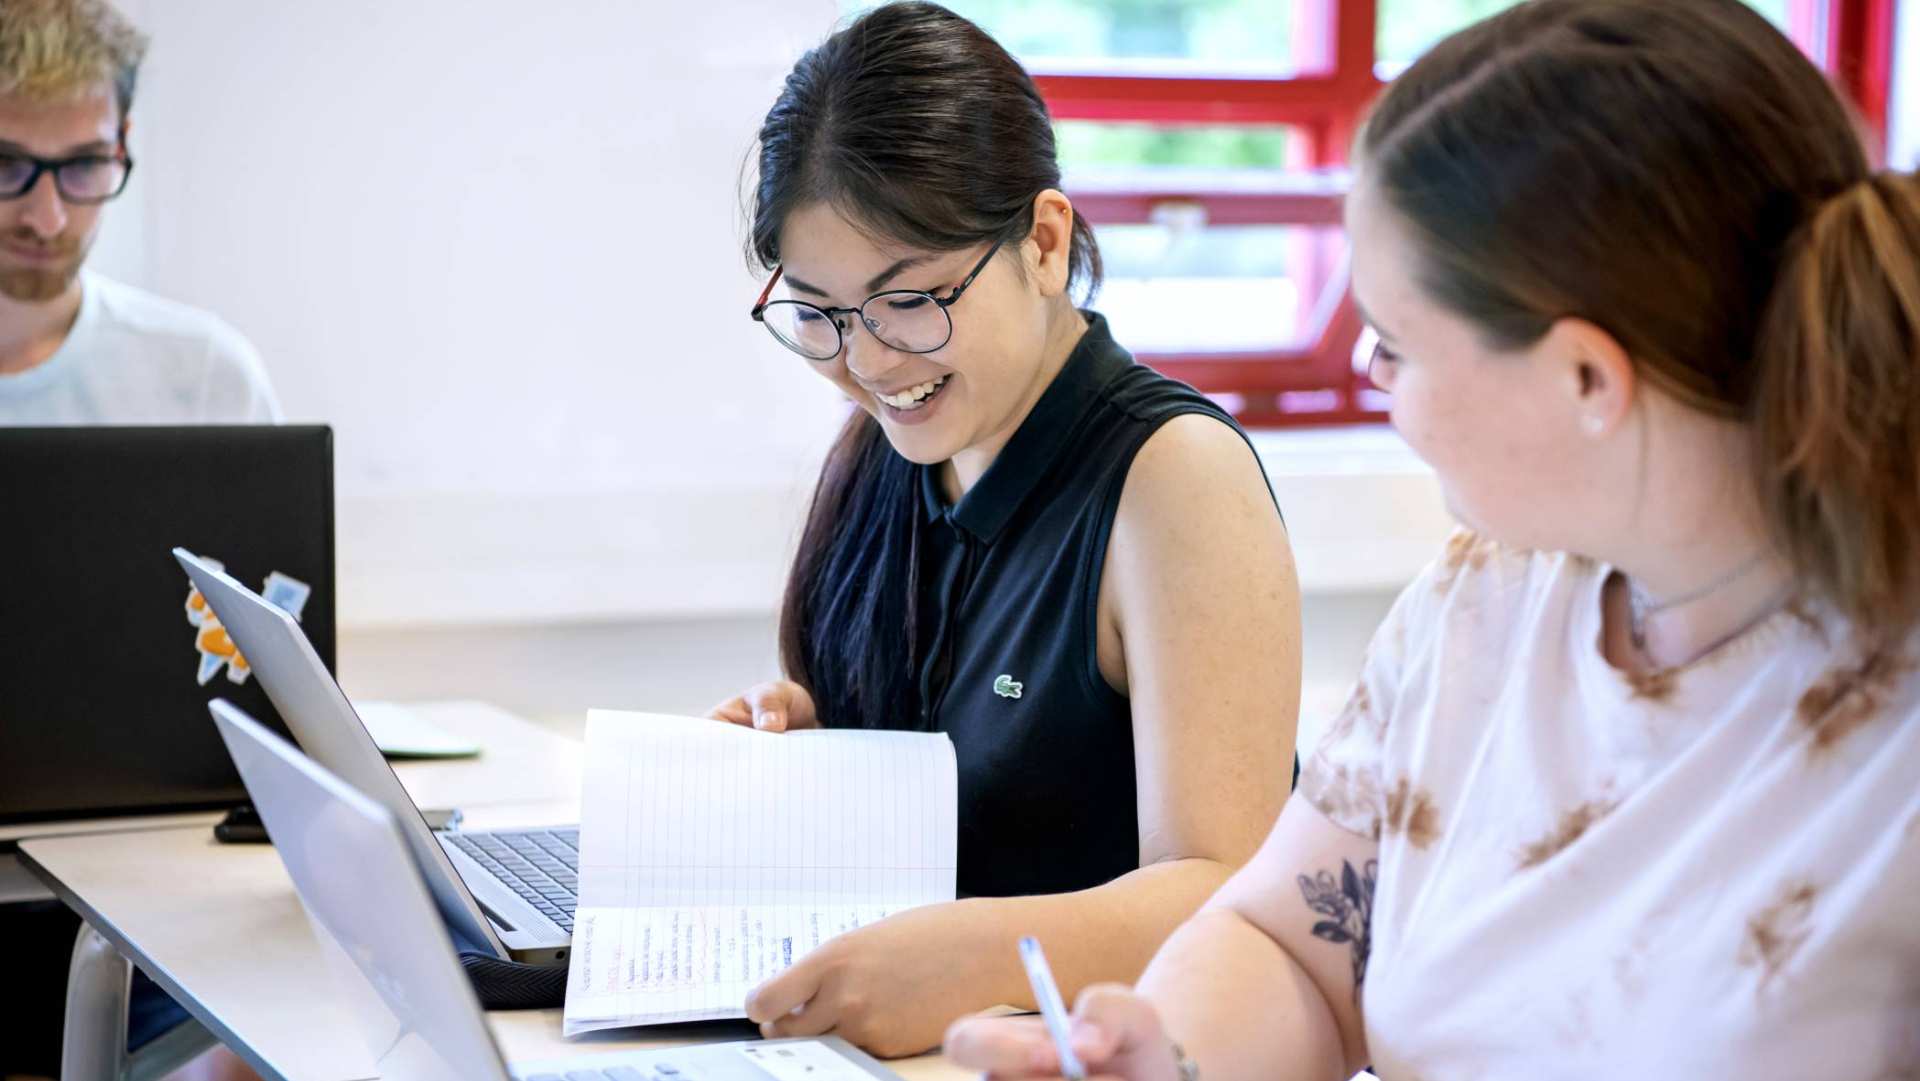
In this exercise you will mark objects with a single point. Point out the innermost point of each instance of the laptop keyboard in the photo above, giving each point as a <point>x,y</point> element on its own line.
<point>542,866</point>
<point>660,1072</point>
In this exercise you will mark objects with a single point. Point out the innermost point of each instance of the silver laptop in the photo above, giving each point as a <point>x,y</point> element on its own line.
<point>509,892</point>
<point>380,929</point>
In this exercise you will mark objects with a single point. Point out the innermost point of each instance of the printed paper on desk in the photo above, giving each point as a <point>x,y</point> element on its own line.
<point>713,856</point>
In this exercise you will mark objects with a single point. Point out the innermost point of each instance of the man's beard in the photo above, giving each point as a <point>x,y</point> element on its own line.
<point>31,284</point>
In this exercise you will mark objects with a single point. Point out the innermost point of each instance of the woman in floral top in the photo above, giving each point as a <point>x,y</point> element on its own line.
<point>1630,785</point>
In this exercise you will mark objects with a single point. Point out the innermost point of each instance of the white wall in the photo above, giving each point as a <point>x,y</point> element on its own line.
<point>497,245</point>
<point>686,665</point>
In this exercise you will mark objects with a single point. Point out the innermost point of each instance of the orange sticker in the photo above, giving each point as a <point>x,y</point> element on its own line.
<point>212,641</point>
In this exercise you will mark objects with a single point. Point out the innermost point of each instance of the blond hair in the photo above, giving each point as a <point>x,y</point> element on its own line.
<point>58,50</point>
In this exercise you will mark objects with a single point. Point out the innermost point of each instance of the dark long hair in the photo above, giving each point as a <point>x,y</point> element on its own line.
<point>1680,175</point>
<point>913,124</point>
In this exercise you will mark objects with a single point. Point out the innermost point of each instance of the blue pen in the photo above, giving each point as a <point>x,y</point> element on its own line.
<point>1052,1010</point>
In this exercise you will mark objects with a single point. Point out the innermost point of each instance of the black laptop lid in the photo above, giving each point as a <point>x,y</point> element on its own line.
<point>103,708</point>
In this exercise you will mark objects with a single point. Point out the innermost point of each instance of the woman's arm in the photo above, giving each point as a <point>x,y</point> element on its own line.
<point>1200,627</point>
<point>1265,981</point>
<point>1262,985</point>
<point>893,987</point>
<point>1199,605</point>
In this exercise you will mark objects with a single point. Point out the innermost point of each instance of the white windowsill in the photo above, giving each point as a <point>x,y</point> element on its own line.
<point>1363,514</point>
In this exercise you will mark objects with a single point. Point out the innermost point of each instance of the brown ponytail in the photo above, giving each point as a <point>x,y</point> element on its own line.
<point>1837,410</point>
<point>1681,175</point>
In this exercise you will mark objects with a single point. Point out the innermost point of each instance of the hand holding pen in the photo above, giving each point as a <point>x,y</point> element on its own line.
<point>1053,1012</point>
<point>1112,1033</point>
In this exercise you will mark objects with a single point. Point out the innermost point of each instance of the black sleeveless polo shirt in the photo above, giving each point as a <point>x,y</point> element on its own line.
<point>1009,586</point>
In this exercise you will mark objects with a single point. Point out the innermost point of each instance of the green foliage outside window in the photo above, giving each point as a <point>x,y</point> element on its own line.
<point>1199,36</point>
<point>1085,144</point>
<point>1237,33</point>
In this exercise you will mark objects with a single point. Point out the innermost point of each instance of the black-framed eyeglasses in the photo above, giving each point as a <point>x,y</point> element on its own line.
<point>84,179</point>
<point>903,319</point>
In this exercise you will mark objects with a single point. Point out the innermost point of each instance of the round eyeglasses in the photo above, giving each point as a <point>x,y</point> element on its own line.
<point>84,180</point>
<point>903,319</point>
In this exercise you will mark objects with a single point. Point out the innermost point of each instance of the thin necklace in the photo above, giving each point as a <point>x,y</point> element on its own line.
<point>1641,604</point>
<point>1760,615</point>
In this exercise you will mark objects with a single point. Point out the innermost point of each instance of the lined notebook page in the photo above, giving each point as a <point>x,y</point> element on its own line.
<point>713,856</point>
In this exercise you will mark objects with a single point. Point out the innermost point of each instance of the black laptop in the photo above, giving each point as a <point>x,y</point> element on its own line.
<point>107,658</point>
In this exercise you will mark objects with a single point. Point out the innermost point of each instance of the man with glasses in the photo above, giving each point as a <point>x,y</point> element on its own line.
<point>76,347</point>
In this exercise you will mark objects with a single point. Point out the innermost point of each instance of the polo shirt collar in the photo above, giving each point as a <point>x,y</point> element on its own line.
<point>1039,441</point>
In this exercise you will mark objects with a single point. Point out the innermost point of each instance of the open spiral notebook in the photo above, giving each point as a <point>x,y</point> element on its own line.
<point>713,856</point>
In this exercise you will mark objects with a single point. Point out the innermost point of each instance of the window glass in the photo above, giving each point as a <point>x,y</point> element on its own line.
<point>1253,37</point>
<point>1903,111</point>
<point>1180,286</point>
<point>1406,28</point>
<point>1085,145</point>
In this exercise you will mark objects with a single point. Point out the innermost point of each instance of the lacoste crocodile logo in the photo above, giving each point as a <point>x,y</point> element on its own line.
<point>1006,687</point>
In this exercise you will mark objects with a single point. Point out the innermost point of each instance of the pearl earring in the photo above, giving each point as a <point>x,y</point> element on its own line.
<point>1593,425</point>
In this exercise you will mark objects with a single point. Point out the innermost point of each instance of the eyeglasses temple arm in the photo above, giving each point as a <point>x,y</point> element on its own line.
<point>977,268</point>
<point>761,304</point>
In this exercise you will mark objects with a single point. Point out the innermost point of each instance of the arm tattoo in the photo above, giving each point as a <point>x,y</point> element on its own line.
<point>1347,905</point>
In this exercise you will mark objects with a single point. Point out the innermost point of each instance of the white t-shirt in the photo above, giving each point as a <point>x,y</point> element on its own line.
<point>134,358</point>
<point>1709,872</point>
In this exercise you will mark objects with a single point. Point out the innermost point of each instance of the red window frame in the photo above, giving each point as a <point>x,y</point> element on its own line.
<point>1315,382</point>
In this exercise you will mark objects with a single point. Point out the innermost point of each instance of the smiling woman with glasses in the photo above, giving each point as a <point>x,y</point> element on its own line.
<point>1066,562</point>
<point>903,319</point>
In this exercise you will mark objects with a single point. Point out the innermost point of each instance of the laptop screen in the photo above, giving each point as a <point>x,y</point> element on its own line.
<point>107,657</point>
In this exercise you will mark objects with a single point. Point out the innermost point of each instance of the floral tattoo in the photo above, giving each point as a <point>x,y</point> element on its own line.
<point>1348,907</point>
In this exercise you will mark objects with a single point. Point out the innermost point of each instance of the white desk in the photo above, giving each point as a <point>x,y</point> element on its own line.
<point>19,884</point>
<point>220,929</point>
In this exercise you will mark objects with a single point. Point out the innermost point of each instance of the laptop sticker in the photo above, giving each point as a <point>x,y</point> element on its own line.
<point>212,641</point>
